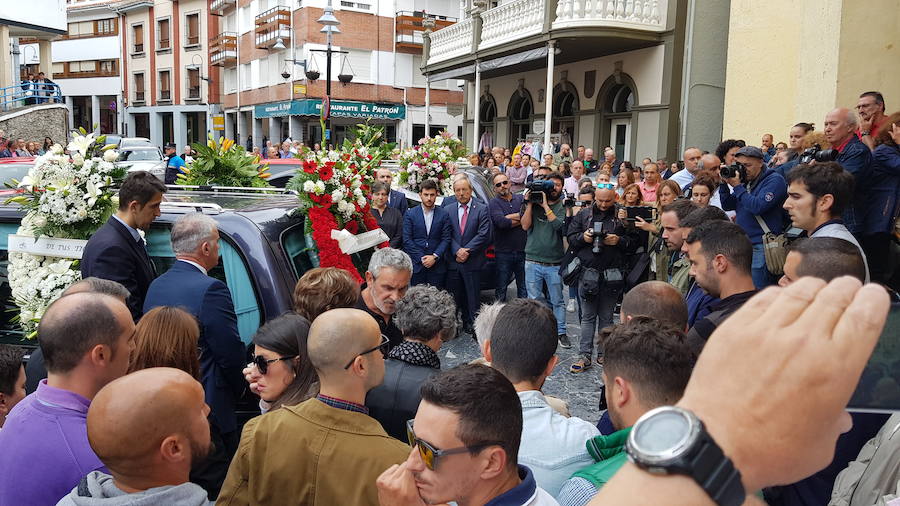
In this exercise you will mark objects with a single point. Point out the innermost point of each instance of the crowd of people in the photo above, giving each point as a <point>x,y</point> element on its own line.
<point>724,389</point>
<point>11,147</point>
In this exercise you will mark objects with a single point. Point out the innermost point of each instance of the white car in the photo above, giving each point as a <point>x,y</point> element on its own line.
<point>148,158</point>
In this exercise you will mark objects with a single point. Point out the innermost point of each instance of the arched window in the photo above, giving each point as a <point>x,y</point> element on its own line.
<point>521,108</point>
<point>488,111</point>
<point>564,104</point>
<point>619,99</point>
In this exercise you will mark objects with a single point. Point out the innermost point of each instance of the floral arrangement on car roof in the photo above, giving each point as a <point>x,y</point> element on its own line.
<point>65,196</point>
<point>333,189</point>
<point>432,158</point>
<point>222,162</point>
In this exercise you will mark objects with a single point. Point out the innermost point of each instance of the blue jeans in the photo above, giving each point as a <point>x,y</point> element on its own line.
<point>509,264</point>
<point>535,277</point>
<point>761,275</point>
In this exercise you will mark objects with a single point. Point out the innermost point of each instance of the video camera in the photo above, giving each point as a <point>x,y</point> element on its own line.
<point>734,170</point>
<point>598,234</point>
<point>818,154</point>
<point>539,187</point>
<point>569,199</point>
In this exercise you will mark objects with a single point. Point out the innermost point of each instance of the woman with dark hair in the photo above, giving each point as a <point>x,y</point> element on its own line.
<point>389,219</point>
<point>166,336</point>
<point>883,199</point>
<point>702,189</point>
<point>624,180</point>
<point>48,143</point>
<point>795,147</point>
<point>727,148</point>
<point>281,373</point>
<point>4,148</point>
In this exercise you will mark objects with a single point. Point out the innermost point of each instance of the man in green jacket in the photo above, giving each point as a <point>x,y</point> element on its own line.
<point>679,267</point>
<point>647,365</point>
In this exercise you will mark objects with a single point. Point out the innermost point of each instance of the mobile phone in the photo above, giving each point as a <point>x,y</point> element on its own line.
<point>645,212</point>
<point>878,390</point>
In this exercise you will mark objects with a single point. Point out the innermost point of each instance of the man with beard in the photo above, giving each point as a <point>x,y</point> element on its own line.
<point>396,199</point>
<point>387,280</point>
<point>148,462</point>
<point>678,265</point>
<point>598,239</point>
<point>509,238</point>
<point>647,365</point>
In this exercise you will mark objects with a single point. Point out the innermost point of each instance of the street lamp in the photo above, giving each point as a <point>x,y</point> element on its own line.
<point>329,28</point>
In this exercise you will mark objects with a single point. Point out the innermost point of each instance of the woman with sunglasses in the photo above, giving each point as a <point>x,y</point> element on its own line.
<point>427,318</point>
<point>281,373</point>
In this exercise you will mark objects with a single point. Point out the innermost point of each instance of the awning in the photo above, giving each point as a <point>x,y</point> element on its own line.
<point>339,109</point>
<point>494,64</point>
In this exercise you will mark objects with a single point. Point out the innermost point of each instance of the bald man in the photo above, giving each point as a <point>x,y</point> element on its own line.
<point>149,462</point>
<point>709,164</point>
<point>601,252</point>
<point>396,199</point>
<point>87,339</point>
<point>856,158</point>
<point>326,450</point>
<point>656,299</point>
<point>685,176</point>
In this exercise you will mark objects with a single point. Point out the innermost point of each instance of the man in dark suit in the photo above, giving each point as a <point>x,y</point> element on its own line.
<point>426,238</point>
<point>195,240</point>
<point>396,199</point>
<point>117,251</point>
<point>470,235</point>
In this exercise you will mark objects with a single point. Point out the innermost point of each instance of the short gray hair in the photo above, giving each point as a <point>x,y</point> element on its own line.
<point>425,312</point>
<point>190,231</point>
<point>389,257</point>
<point>484,322</point>
<point>851,117</point>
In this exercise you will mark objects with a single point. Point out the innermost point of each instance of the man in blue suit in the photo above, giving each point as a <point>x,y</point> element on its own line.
<point>470,235</point>
<point>117,251</point>
<point>396,199</point>
<point>426,238</point>
<point>195,240</point>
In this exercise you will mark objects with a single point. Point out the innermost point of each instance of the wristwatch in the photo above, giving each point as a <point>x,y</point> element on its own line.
<point>672,440</point>
<point>864,133</point>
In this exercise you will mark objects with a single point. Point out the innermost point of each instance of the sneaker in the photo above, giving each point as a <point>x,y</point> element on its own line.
<point>570,307</point>
<point>564,341</point>
<point>580,365</point>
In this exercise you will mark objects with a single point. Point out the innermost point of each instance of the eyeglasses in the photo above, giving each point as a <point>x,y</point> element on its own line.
<point>430,454</point>
<point>501,183</point>
<point>605,186</point>
<point>263,365</point>
<point>384,347</point>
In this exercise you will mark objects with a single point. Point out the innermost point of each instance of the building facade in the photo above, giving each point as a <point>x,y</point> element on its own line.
<point>266,47</point>
<point>169,88</point>
<point>609,73</point>
<point>814,56</point>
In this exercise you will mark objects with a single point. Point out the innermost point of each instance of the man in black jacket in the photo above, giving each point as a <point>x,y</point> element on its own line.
<point>599,241</point>
<point>117,251</point>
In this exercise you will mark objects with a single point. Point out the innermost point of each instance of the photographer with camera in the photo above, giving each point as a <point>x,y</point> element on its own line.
<point>599,240</point>
<point>543,220</point>
<point>757,196</point>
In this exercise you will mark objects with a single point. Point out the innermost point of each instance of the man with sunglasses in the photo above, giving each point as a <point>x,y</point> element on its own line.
<point>326,450</point>
<point>466,436</point>
<point>509,237</point>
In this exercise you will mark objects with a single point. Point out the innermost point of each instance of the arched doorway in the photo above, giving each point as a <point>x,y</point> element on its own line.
<point>487,118</point>
<point>521,110</point>
<point>618,97</point>
<point>565,107</point>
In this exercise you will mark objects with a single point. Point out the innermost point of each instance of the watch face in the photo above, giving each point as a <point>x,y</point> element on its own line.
<point>664,433</point>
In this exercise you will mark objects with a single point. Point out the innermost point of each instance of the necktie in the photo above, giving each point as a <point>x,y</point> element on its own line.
<point>462,221</point>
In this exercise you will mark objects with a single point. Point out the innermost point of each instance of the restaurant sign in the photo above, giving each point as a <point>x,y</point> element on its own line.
<point>339,109</point>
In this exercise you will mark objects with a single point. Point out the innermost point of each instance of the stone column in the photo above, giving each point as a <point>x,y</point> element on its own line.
<point>179,130</point>
<point>548,95</point>
<point>155,129</point>
<point>46,65</point>
<point>95,114</point>
<point>6,68</point>
<point>477,103</point>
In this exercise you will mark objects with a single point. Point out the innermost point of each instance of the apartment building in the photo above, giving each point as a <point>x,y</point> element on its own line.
<point>169,89</point>
<point>266,47</point>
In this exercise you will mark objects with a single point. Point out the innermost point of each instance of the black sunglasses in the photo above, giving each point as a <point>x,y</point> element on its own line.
<point>430,454</point>
<point>384,347</point>
<point>501,183</point>
<point>263,365</point>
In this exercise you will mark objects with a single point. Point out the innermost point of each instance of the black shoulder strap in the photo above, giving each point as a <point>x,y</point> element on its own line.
<point>83,490</point>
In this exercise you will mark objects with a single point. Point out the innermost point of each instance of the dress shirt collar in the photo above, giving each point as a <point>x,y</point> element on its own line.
<point>523,493</point>
<point>195,264</point>
<point>342,404</point>
<point>59,398</point>
<point>132,230</point>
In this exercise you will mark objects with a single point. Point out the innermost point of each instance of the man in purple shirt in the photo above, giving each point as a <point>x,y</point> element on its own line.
<point>87,339</point>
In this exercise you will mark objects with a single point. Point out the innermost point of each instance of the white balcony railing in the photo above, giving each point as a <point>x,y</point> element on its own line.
<point>450,42</point>
<point>640,14</point>
<point>220,5</point>
<point>511,21</point>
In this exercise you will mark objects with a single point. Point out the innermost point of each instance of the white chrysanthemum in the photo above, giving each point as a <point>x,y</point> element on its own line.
<point>110,155</point>
<point>309,186</point>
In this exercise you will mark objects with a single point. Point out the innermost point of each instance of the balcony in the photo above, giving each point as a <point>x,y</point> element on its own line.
<point>220,6</point>
<point>409,28</point>
<point>522,21</point>
<point>223,50</point>
<point>272,25</point>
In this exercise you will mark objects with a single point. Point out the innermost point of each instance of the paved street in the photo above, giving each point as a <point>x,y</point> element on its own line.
<point>581,391</point>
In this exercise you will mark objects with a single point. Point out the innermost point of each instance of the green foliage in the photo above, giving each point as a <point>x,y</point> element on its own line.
<point>224,163</point>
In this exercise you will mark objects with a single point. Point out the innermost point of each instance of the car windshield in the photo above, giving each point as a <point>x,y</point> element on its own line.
<point>10,171</point>
<point>137,155</point>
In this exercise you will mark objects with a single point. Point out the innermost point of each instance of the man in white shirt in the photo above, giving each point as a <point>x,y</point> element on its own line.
<point>523,348</point>
<point>570,185</point>
<point>685,176</point>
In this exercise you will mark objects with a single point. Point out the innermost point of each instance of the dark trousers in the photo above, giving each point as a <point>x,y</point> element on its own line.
<point>465,287</point>
<point>509,264</point>
<point>877,248</point>
<point>210,474</point>
<point>429,277</point>
<point>597,313</point>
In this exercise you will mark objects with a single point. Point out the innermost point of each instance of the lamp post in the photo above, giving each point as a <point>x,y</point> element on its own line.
<point>329,28</point>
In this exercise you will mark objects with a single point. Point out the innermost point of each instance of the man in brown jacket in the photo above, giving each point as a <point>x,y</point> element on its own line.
<point>326,450</point>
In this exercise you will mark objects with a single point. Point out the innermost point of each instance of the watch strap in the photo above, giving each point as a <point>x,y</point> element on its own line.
<point>715,472</point>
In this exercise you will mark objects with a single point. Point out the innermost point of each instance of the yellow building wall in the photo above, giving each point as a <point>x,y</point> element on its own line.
<point>794,61</point>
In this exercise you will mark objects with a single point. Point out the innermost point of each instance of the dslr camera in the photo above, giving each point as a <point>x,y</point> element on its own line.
<point>569,199</point>
<point>818,154</point>
<point>539,187</point>
<point>598,235</point>
<point>734,170</point>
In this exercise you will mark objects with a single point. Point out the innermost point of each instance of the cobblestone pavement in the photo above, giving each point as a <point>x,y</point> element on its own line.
<point>581,391</point>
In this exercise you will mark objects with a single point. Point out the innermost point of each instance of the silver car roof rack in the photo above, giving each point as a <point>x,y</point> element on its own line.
<point>230,190</point>
<point>190,207</point>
